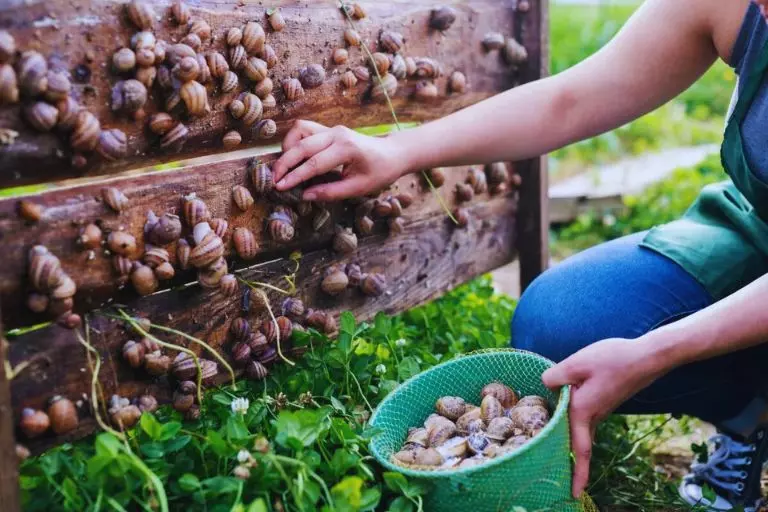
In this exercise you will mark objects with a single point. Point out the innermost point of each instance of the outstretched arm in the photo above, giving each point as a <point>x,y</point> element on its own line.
<point>662,50</point>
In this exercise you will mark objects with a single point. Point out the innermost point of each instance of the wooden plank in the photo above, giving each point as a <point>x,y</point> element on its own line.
<point>533,218</point>
<point>9,473</point>
<point>69,32</point>
<point>429,258</point>
<point>68,209</point>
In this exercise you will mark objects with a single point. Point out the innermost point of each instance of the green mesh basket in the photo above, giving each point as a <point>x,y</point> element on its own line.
<point>536,477</point>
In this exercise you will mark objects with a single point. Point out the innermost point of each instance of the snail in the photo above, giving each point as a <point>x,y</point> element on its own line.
<point>211,276</point>
<point>427,68</point>
<point>184,367</point>
<point>493,41</point>
<point>533,400</point>
<point>464,192</point>
<point>162,230</point>
<point>428,457</point>
<point>398,67</point>
<point>122,414</point>
<point>321,321</point>
<point>386,88</point>
<point>255,69</point>
<point>120,242</point>
<point>144,58</point>
<point>477,442</point>
<point>133,353</point>
<point>276,20</point>
<point>280,227</point>
<point>382,208</point>
<point>417,437</point>
<point>146,76</point>
<point>391,42</point>
<point>516,442</point>
<point>65,289</point>
<point>253,109</point>
<point>453,448</point>
<point>183,401</point>
<point>240,329</point>
<point>490,408</point>
<point>234,36</point>
<point>504,394</point>
<point>143,279</point>
<point>141,14</point>
<point>9,89</point>
<point>348,79</point>
<point>258,342</point>
<point>396,207</point>
<point>477,179</point>
<point>204,75</point>
<point>219,227</point>
<point>147,403</point>
<point>440,431</point>
<point>255,370</point>
<point>462,217</point>
<point>195,211</point>
<point>113,144</point>
<point>58,86</point>
<point>63,415</point>
<point>245,243</point>
<point>68,110</point>
<point>44,269</point>
<point>364,225</point>
<point>253,37</point>
<point>361,73</point>
<point>175,53</point>
<point>265,129</point>
<point>270,331</point>
<point>210,249</point>
<point>465,420</point>
<point>37,302</point>
<point>352,37</point>
<point>529,418</point>
<point>406,456</point>
<point>436,177</point>
<point>122,265</point>
<point>269,56</point>
<point>236,109</point>
<point>381,62</point>
<point>165,271</point>
<point>354,274</point>
<point>128,96</point>
<point>32,212</point>
<point>442,18</point>
<point>217,64</point>
<point>200,28</point>
<point>156,363</point>
<point>186,69</point>
<point>180,12</point>
<point>451,407</point>
<point>32,74</point>
<point>334,282</point>
<point>345,240</point>
<point>143,40</point>
<point>410,66</point>
<point>193,41</point>
<point>285,327</point>
<point>176,137</point>
<point>292,89</point>
<point>293,307</point>
<point>261,176</point>
<point>426,91</point>
<point>263,88</point>
<point>7,47</point>
<point>195,98</point>
<point>499,429</point>
<point>373,284</point>
<point>183,251</point>
<point>514,53</point>
<point>457,83</point>
<point>497,173</point>
<point>340,56</point>
<point>242,198</point>
<point>41,116</point>
<point>313,75</point>
<point>34,423</point>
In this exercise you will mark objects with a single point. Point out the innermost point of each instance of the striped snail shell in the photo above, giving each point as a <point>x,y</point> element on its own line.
<point>234,36</point>
<point>263,88</point>
<point>391,42</point>
<point>41,116</point>
<point>253,109</point>
<point>113,144</point>
<point>266,129</point>
<point>245,243</point>
<point>210,249</point>
<point>293,307</point>
<point>195,211</point>
<point>175,138</point>
<point>240,329</point>
<point>195,98</point>
<point>281,227</point>
<point>255,69</point>
<point>255,370</point>
<point>45,271</point>
<point>217,64</point>
<point>237,57</point>
<point>261,176</point>
<point>200,28</point>
<point>141,14</point>
<point>373,284</point>
<point>228,285</point>
<point>32,73</point>
<point>292,89</point>
<point>85,135</point>
<point>183,251</point>
<point>143,279</point>
<point>211,277</point>
<point>155,256</point>
<point>253,37</point>
<point>345,240</point>
<point>219,226</point>
<point>231,139</point>
<point>242,197</point>
<point>269,55</point>
<point>313,76</point>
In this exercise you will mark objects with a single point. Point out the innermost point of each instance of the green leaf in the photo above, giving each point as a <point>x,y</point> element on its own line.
<point>301,428</point>
<point>221,485</point>
<point>257,505</point>
<point>218,445</point>
<point>223,399</point>
<point>189,482</point>
<point>169,430</point>
<point>348,494</point>
<point>342,461</point>
<point>408,367</point>
<point>347,322</point>
<point>108,444</point>
<point>395,481</point>
<point>382,325</point>
<point>177,443</point>
<point>401,504</point>
<point>370,499</point>
<point>151,426</point>
<point>235,429</point>
<point>152,450</point>
<point>338,405</point>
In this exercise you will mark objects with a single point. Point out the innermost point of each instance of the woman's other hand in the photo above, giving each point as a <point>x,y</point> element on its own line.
<point>368,164</point>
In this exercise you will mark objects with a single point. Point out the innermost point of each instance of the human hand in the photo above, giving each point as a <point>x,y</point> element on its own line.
<point>368,163</point>
<point>602,376</point>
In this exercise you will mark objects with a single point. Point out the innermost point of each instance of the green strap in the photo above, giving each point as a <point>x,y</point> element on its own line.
<point>754,80</point>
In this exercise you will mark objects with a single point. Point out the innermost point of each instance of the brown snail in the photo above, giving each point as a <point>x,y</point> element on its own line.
<point>147,403</point>
<point>533,400</point>
<point>373,284</point>
<point>263,88</point>
<point>426,91</point>
<point>210,249</point>
<point>143,40</point>
<point>133,353</point>
<point>175,137</point>
<point>514,53</point>
<point>501,428</point>
<point>7,47</point>
<point>187,69</point>
<point>145,58</point>
<point>253,37</point>
<point>340,56</point>
<point>280,227</point>
<point>165,271</point>
<point>320,219</point>
<point>234,36</point>
<point>293,307</point>
<point>253,109</point>
<point>161,123</point>
<point>396,225</point>
<point>391,42</point>
<point>313,76</point>
<point>120,242</point>
<point>464,192</point>
<point>382,208</point>
<point>63,415</point>
<point>241,353</point>
<point>156,363</point>
<point>261,176</point>
<point>321,321</point>
<point>258,342</point>
<point>237,109</point>
<point>348,80</point>
<point>255,370</point>
<point>122,265</point>
<point>451,407</point>
<point>68,110</point>
<point>122,414</point>
<point>242,197</point>
<point>44,269</point>
<point>276,20</point>
<point>58,86</point>
<point>113,144</point>
<point>9,89</point>
<point>175,53</point>
<point>210,277</point>
<point>345,240</point>
<point>255,69</point>
<point>195,211</point>
<point>284,327</point>
<point>386,88</point>
<point>146,76</point>
<point>497,173</point>
<point>334,282</point>
<point>361,73</point>
<point>381,62</point>
<point>493,41</point>
<point>457,83</point>
<point>266,129</point>
<point>140,13</point>
<point>410,66</point>
<point>162,230</point>
<point>490,408</point>
<point>352,37</point>
<point>440,431</point>
<point>34,423</point>
<point>231,139</point>
<point>180,12</point>
<point>200,28</point>
<point>477,179</point>
<point>364,225</point>
<point>128,96</point>
<point>427,68</point>
<point>143,279</point>
<point>529,418</point>
<point>41,116</point>
<point>217,64</point>
<point>442,18</point>
<point>195,98</point>
<point>292,89</point>
<point>504,394</point>
<point>240,329</point>
<point>31,211</point>
<point>462,217</point>
<point>354,274</point>
<point>269,56</point>
<point>32,74</point>
<point>245,243</point>
<point>464,422</point>
<point>398,67</point>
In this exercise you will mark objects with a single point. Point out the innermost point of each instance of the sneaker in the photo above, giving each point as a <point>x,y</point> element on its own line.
<point>732,472</point>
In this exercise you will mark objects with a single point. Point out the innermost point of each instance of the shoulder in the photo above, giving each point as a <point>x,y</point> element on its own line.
<point>723,21</point>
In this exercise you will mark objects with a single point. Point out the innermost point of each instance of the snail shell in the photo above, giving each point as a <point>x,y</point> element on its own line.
<point>44,269</point>
<point>313,76</point>
<point>125,417</point>
<point>184,367</point>
<point>187,69</point>
<point>477,442</point>
<point>382,208</point>
<point>345,240</point>
<point>120,242</point>
<point>200,231</point>
<point>442,18</point>
<point>241,353</point>
<point>161,49</point>
<point>58,86</point>
<point>440,431</point>
<point>253,109</point>
<point>128,96</point>
<point>245,243</point>
<point>240,329</point>
<point>464,421</point>
<point>500,428</point>
<point>352,37</point>
<point>293,307</point>
<point>165,230</point>
<point>7,47</point>
<point>133,353</point>
<point>63,415</point>
<point>237,109</point>
<point>34,423</point>
<point>147,403</point>
<point>210,249</point>
<point>68,109</point>
<point>533,400</point>
<point>493,41</point>
<point>164,78</point>
<point>33,73</point>
<point>266,129</point>
<point>155,256</point>
<point>477,179</point>
<point>37,302</point>
<point>451,407</point>
<point>150,345</point>
<point>9,89</point>
<point>176,137</point>
<point>428,457</point>
<point>497,173</point>
<point>253,37</point>
<point>462,217</point>
<point>514,53</point>
<point>406,456</point>
<point>258,342</point>
<point>320,219</point>
<point>234,36</point>
<point>200,28</point>
<point>292,89</point>
<point>281,227</point>
<point>398,68</point>
<point>387,87</point>
<point>140,14</point>
<point>362,73</point>
<point>254,370</point>
<point>464,192</point>
<point>122,265</point>
<point>231,139</point>
<point>195,211</point>
<point>391,42</point>
<point>270,330</point>
<point>211,276</point>
<point>143,279</point>
<point>285,327</point>
<point>242,198</point>
<point>427,68</point>
<point>217,64</point>
<point>340,56</point>
<point>426,91</point>
<point>157,364</point>
<point>177,52</point>
<point>529,418</point>
<point>237,57</point>
<point>165,271</point>
<point>396,207</point>
<point>146,76</point>
<point>504,394</point>
<point>269,56</point>
<point>183,402</point>
<point>381,62</point>
<point>66,289</point>
<point>373,284</point>
<point>515,442</point>
<point>348,80</point>
<point>182,254</point>
<point>113,144</point>
<point>490,408</point>
<point>354,274</point>
<point>321,321</point>
<point>144,58</point>
<point>364,225</point>
<point>454,447</point>
<point>457,83</point>
<point>143,40</point>
<point>334,282</point>
<point>261,176</point>
<point>263,88</point>
<point>276,20</point>
<point>195,98</point>
<point>180,12</point>
<point>417,437</point>
<point>42,116</point>
<point>410,66</point>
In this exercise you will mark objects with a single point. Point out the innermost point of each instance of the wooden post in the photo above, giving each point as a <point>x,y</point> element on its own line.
<point>9,473</point>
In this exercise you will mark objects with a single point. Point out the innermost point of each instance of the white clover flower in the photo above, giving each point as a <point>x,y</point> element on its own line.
<point>381,369</point>
<point>609,220</point>
<point>242,472</point>
<point>243,456</point>
<point>400,342</point>
<point>240,406</point>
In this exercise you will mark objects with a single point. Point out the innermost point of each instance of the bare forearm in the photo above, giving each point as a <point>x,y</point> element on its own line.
<point>737,322</point>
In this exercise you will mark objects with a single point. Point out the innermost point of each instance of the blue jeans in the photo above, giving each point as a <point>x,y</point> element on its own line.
<point>619,289</point>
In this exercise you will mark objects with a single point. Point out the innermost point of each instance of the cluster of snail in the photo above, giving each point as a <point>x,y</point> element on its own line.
<point>389,208</point>
<point>48,105</point>
<point>460,434</point>
<point>53,288</point>
<point>512,51</point>
<point>338,278</point>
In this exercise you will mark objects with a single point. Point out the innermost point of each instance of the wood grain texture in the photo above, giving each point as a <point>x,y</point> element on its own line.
<point>9,473</point>
<point>66,210</point>
<point>70,32</point>
<point>429,258</point>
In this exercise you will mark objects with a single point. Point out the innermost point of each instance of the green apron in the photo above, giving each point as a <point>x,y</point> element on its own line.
<point>722,240</point>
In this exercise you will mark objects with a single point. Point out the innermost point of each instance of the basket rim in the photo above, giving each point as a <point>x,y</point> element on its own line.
<point>561,409</point>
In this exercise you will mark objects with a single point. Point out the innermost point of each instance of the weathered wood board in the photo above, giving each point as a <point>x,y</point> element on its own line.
<point>430,257</point>
<point>80,36</point>
<point>9,489</point>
